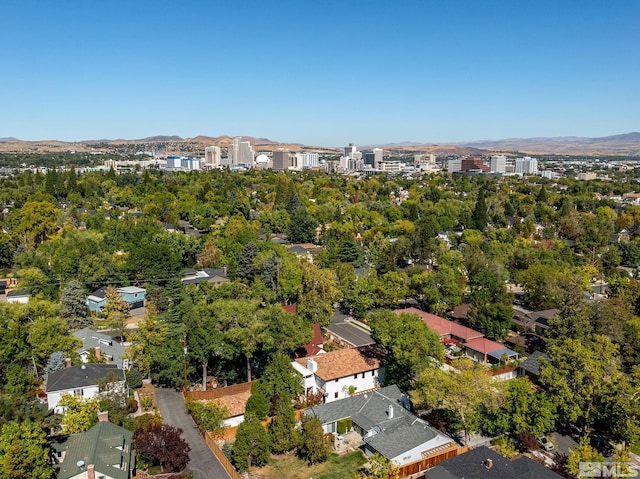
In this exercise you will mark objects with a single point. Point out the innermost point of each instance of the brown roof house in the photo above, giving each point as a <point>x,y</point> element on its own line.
<point>341,373</point>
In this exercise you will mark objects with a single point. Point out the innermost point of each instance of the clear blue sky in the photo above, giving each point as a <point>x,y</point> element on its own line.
<point>319,72</point>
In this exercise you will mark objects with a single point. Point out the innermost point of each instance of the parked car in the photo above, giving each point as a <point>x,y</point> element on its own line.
<point>546,444</point>
<point>603,446</point>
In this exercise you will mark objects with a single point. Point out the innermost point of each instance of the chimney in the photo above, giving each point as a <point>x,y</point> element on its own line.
<point>91,472</point>
<point>103,416</point>
<point>312,365</point>
<point>488,463</point>
<point>98,353</point>
<point>68,362</point>
<point>390,411</point>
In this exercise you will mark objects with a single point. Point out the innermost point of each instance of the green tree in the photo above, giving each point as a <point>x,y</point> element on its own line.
<point>246,266</point>
<point>252,444</point>
<point>24,452</point>
<point>411,346</point>
<point>258,404</point>
<point>302,228</point>
<point>479,217</point>
<point>74,304</point>
<point>282,428</point>
<point>462,391</point>
<point>208,415</point>
<point>80,414</point>
<point>584,453</point>
<point>577,375</point>
<point>318,294</point>
<point>314,447</point>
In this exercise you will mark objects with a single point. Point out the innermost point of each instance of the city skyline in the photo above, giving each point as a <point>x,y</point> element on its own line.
<point>320,74</point>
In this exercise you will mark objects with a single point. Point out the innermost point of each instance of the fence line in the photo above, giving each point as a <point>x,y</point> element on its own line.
<point>221,457</point>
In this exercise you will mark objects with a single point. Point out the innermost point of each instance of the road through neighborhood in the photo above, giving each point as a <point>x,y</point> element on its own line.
<point>202,461</point>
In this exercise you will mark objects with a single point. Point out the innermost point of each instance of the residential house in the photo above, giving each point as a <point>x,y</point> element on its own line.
<point>206,275</point>
<point>304,250</point>
<point>486,351</point>
<point>103,452</point>
<point>385,425</point>
<point>14,296</point>
<point>530,367</point>
<point>533,321</point>
<point>313,347</point>
<point>83,381</point>
<point>474,344</point>
<point>132,295</point>
<point>340,373</point>
<point>484,463</point>
<point>104,347</point>
<point>449,331</point>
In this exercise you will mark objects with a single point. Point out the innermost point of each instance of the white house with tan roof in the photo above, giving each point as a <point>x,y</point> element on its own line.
<point>339,374</point>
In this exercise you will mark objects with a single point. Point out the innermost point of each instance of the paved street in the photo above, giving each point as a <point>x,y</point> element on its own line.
<point>203,462</point>
<point>347,331</point>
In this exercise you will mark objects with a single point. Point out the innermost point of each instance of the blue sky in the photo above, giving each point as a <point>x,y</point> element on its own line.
<point>319,72</point>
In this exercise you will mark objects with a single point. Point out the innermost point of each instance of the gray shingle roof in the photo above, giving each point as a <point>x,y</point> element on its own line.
<point>471,465</point>
<point>107,446</point>
<point>397,433</point>
<point>81,376</point>
<point>532,363</point>
<point>108,346</point>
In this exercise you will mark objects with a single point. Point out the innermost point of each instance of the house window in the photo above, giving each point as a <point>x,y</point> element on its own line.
<point>362,375</point>
<point>355,376</point>
<point>337,380</point>
<point>373,373</point>
<point>78,392</point>
<point>335,395</point>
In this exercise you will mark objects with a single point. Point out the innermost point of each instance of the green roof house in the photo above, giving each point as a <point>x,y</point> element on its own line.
<point>103,452</point>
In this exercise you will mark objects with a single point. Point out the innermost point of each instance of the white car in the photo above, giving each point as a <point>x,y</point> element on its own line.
<point>546,444</point>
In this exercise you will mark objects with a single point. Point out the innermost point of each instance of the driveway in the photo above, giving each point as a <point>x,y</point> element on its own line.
<point>342,327</point>
<point>202,461</point>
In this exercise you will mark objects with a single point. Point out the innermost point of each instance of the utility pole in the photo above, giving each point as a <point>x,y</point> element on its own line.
<point>184,348</point>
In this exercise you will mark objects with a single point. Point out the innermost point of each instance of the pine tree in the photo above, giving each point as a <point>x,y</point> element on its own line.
<point>252,444</point>
<point>270,272</point>
<point>314,447</point>
<point>74,304</point>
<point>246,268</point>
<point>479,217</point>
<point>282,428</point>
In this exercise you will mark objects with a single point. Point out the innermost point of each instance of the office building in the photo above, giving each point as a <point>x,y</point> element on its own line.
<point>498,164</point>
<point>454,165</point>
<point>212,156</point>
<point>369,158</point>
<point>281,159</point>
<point>474,164</point>
<point>350,151</point>
<point>246,154</point>
<point>527,166</point>
<point>310,160</point>
<point>378,154</point>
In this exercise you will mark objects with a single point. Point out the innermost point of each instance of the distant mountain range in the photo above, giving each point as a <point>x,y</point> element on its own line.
<point>625,145</point>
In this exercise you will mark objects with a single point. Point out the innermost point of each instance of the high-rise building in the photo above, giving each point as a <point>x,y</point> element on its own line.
<point>477,164</point>
<point>349,151</point>
<point>527,166</point>
<point>212,156</point>
<point>281,159</point>
<point>233,151</point>
<point>378,155</point>
<point>310,160</point>
<point>498,164</point>
<point>246,154</point>
<point>369,158</point>
<point>454,165</point>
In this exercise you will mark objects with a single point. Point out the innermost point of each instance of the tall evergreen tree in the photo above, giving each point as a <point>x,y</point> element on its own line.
<point>282,428</point>
<point>246,268</point>
<point>314,447</point>
<point>479,217</point>
<point>252,445</point>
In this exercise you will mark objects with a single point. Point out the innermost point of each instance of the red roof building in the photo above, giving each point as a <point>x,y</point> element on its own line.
<point>446,329</point>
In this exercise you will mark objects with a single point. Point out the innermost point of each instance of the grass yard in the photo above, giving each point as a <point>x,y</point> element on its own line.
<point>291,467</point>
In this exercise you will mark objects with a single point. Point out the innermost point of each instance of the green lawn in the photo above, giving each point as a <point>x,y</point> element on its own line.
<point>336,467</point>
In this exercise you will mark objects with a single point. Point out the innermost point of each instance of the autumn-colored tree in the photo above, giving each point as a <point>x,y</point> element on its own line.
<point>162,445</point>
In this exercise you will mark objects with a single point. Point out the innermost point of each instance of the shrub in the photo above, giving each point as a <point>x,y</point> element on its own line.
<point>344,425</point>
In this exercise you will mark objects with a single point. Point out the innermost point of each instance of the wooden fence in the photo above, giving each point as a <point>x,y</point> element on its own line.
<point>221,457</point>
